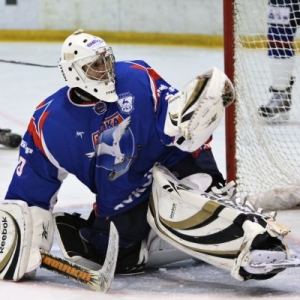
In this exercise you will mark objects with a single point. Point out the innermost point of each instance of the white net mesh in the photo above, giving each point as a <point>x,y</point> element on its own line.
<point>268,153</point>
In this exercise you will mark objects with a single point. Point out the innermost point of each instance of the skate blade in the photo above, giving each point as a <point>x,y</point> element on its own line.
<point>280,265</point>
<point>265,262</point>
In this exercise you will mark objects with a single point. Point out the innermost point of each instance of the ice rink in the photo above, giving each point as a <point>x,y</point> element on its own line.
<point>23,87</point>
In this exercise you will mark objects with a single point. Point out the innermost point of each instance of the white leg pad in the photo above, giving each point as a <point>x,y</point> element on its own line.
<point>215,230</point>
<point>24,230</point>
<point>16,236</point>
<point>42,235</point>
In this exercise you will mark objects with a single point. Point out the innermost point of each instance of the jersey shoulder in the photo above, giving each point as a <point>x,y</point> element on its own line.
<point>52,112</point>
<point>58,95</point>
<point>133,64</point>
<point>134,67</point>
<point>136,70</point>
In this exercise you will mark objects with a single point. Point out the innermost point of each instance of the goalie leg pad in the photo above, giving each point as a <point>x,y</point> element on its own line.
<point>42,237</point>
<point>209,228</point>
<point>24,231</point>
<point>16,236</point>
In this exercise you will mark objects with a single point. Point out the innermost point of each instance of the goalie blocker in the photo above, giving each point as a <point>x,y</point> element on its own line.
<point>217,230</point>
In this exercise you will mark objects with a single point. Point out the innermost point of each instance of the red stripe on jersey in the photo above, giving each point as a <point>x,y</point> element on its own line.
<point>153,77</point>
<point>35,127</point>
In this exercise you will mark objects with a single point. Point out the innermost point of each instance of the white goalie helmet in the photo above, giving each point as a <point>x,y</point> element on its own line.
<point>88,63</point>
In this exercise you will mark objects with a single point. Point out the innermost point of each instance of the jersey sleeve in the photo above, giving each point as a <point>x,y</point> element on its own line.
<point>36,179</point>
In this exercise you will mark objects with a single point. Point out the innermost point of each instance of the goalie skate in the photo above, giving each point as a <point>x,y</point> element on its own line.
<point>279,106</point>
<point>266,262</point>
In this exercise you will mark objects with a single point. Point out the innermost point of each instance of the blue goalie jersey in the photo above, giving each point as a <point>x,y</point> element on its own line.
<point>110,147</point>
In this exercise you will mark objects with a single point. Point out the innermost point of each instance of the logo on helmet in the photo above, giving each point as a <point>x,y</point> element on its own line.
<point>93,42</point>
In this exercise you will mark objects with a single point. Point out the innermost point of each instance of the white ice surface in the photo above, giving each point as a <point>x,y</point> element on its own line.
<point>23,87</point>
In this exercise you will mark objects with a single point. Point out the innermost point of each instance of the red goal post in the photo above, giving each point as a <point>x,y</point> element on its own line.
<point>228,8</point>
<point>263,158</point>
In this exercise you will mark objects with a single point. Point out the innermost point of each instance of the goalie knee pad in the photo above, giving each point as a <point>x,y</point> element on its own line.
<point>208,228</point>
<point>16,234</point>
<point>88,245</point>
<point>24,230</point>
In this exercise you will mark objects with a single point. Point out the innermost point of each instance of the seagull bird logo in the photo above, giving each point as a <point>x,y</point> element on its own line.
<point>114,149</point>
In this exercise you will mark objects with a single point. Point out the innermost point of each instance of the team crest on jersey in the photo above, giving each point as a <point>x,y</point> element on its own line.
<point>126,103</point>
<point>114,146</point>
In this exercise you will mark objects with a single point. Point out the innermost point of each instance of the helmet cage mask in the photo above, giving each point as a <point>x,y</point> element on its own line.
<point>88,63</point>
<point>88,67</point>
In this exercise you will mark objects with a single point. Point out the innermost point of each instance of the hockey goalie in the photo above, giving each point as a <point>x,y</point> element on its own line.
<point>142,148</point>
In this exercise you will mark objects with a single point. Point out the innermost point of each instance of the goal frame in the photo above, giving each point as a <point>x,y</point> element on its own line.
<point>230,133</point>
<point>275,145</point>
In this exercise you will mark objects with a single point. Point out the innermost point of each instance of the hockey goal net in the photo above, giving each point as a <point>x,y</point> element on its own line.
<point>263,158</point>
